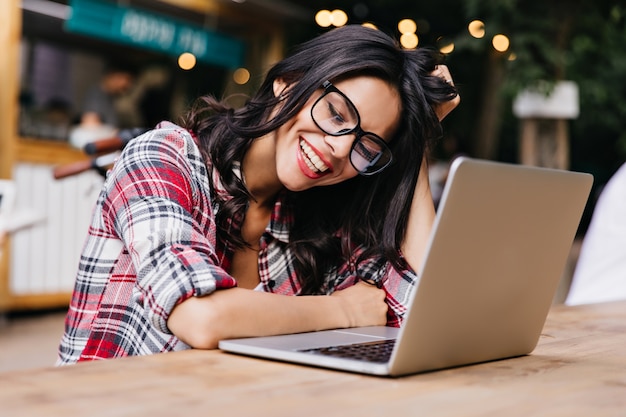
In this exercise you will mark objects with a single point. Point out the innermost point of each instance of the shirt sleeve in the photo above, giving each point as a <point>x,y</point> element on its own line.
<point>158,204</point>
<point>398,284</point>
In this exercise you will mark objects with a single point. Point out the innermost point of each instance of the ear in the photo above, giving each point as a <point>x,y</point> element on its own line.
<point>280,87</point>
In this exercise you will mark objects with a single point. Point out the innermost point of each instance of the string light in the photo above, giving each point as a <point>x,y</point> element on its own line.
<point>241,76</point>
<point>409,40</point>
<point>338,18</point>
<point>447,49</point>
<point>407,28</point>
<point>186,61</point>
<point>323,19</point>
<point>326,18</point>
<point>445,45</point>
<point>476,28</point>
<point>500,43</point>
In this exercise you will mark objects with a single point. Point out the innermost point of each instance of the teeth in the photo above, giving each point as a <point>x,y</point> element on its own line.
<point>312,160</point>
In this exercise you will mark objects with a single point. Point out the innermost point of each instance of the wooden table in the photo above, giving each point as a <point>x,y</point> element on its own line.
<point>578,369</point>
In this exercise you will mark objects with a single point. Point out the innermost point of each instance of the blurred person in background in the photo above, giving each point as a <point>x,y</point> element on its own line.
<point>124,99</point>
<point>99,117</point>
<point>600,273</point>
<point>100,100</point>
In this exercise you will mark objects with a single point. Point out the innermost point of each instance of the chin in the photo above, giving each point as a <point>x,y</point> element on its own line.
<point>294,181</point>
<point>291,186</point>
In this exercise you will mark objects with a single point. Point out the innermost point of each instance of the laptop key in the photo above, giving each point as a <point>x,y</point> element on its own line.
<point>378,351</point>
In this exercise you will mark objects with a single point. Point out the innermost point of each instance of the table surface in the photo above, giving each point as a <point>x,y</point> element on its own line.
<point>577,369</point>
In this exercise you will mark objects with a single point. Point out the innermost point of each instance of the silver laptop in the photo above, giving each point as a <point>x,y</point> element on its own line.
<point>496,255</point>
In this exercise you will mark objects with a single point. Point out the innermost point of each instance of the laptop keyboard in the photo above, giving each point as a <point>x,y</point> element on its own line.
<point>378,351</point>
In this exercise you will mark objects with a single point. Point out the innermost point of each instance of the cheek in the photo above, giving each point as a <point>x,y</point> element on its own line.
<point>285,147</point>
<point>287,129</point>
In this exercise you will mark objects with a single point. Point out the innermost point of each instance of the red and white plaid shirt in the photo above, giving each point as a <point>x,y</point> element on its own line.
<point>152,244</point>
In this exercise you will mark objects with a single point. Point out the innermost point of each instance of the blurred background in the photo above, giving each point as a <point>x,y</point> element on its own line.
<point>542,83</point>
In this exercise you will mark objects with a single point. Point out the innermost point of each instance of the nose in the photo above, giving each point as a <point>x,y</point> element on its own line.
<point>340,145</point>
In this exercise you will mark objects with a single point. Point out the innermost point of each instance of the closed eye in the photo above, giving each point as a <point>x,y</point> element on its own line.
<point>336,117</point>
<point>370,153</point>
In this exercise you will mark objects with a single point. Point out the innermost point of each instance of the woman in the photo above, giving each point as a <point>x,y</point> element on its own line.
<point>314,188</point>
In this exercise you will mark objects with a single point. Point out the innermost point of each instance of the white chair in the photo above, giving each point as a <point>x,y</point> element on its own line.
<point>11,220</point>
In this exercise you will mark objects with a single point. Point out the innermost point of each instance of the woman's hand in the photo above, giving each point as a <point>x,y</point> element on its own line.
<point>443,109</point>
<point>363,304</point>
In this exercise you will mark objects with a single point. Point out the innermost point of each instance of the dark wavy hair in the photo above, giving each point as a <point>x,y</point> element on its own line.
<point>330,221</point>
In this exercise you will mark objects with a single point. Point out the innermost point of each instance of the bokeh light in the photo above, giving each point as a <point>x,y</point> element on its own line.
<point>326,18</point>
<point>186,61</point>
<point>409,40</point>
<point>500,43</point>
<point>476,28</point>
<point>323,19</point>
<point>241,76</point>
<point>407,26</point>
<point>338,18</point>
<point>447,48</point>
<point>445,45</point>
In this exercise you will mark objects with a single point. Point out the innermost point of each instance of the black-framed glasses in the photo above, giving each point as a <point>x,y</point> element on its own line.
<point>336,115</point>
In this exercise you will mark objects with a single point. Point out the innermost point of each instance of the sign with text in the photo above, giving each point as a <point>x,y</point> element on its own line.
<point>148,30</point>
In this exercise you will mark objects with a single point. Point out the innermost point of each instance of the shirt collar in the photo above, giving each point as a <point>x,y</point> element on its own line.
<point>281,219</point>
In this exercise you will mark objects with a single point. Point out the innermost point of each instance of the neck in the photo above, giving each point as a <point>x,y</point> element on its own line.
<point>259,171</point>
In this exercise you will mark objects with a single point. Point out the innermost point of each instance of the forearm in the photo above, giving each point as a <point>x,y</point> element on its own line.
<point>202,321</point>
<point>421,219</point>
<point>422,214</point>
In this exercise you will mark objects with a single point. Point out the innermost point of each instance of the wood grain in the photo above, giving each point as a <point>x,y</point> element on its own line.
<point>578,369</point>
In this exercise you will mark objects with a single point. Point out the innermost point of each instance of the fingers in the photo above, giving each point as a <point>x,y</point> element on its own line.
<point>443,72</point>
<point>364,304</point>
<point>370,281</point>
<point>443,109</point>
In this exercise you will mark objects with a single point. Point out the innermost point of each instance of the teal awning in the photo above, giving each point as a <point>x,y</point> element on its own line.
<point>149,30</point>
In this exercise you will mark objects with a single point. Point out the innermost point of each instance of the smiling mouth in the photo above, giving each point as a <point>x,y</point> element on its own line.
<point>312,161</point>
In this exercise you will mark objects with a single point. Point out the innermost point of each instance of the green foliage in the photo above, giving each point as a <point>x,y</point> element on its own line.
<point>598,64</point>
<point>579,40</point>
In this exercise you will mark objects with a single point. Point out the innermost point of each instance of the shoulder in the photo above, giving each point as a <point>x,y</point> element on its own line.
<point>167,134</point>
<point>167,141</point>
<point>168,150</point>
